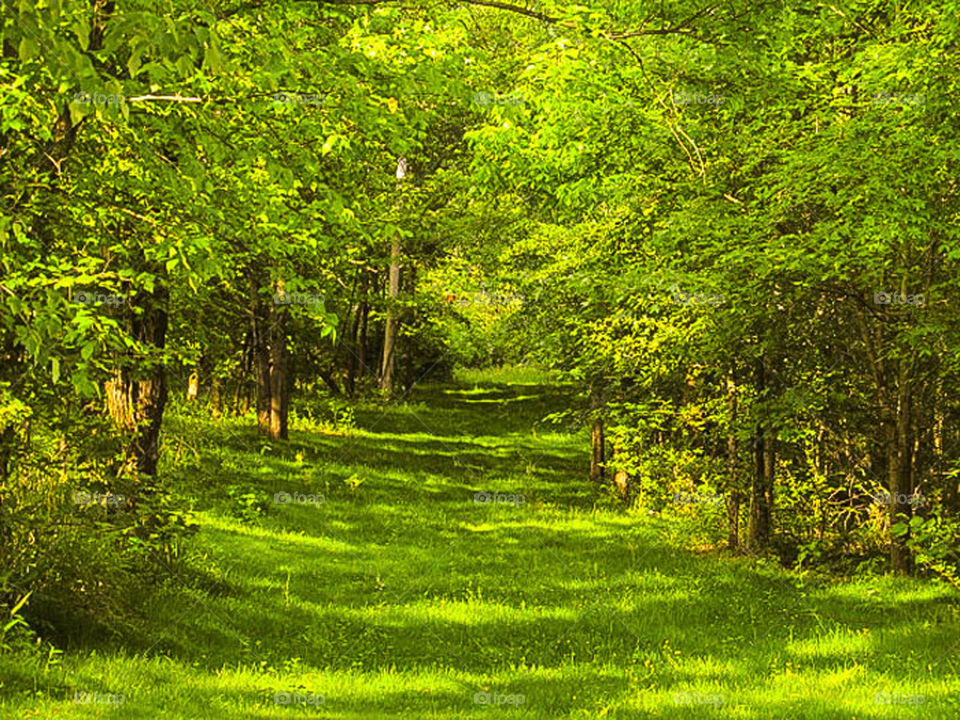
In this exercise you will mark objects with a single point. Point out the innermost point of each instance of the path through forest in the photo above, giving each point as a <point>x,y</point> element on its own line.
<point>447,559</point>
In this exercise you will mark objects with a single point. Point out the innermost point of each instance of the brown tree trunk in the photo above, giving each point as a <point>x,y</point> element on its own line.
<point>597,450</point>
<point>761,485</point>
<point>193,386</point>
<point>951,496</point>
<point>216,398</point>
<point>268,335</point>
<point>260,346</point>
<point>7,438</point>
<point>392,324</point>
<point>733,520</point>
<point>733,498</point>
<point>279,380</point>
<point>362,350</point>
<point>350,384</point>
<point>621,480</point>
<point>900,454</point>
<point>597,441</point>
<point>136,403</point>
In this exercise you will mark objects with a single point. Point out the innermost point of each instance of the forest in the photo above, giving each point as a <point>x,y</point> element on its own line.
<point>479,358</point>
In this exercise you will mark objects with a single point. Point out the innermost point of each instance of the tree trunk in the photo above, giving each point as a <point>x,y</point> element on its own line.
<point>597,450</point>
<point>216,399</point>
<point>899,447</point>
<point>260,346</point>
<point>268,335</point>
<point>7,446</point>
<point>733,498</point>
<point>136,403</point>
<point>350,385</point>
<point>621,480</point>
<point>392,324</point>
<point>597,442</point>
<point>279,376</point>
<point>362,350</point>
<point>193,386</point>
<point>761,486</point>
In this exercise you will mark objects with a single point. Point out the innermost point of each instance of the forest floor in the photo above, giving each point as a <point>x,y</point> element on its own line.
<point>387,587</point>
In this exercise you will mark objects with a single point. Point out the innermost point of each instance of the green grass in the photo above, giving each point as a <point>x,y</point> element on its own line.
<point>400,596</point>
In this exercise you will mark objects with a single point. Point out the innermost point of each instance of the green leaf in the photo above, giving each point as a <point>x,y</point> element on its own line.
<point>21,603</point>
<point>211,58</point>
<point>82,31</point>
<point>185,65</point>
<point>28,49</point>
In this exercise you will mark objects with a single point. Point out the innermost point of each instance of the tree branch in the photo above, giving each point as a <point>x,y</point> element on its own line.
<point>682,28</point>
<point>167,98</point>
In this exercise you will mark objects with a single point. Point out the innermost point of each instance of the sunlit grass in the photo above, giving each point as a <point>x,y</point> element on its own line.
<point>401,596</point>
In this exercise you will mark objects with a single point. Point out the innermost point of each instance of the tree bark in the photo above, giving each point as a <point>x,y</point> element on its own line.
<point>136,402</point>
<point>733,498</point>
<point>900,449</point>
<point>761,486</point>
<point>279,376</point>
<point>621,479</point>
<point>260,346</point>
<point>392,324</point>
<point>597,441</point>
<point>193,386</point>
<point>393,293</point>
<point>350,384</point>
<point>268,335</point>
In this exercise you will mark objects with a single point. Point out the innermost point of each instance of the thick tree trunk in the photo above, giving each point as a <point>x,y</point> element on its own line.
<point>268,335</point>
<point>136,403</point>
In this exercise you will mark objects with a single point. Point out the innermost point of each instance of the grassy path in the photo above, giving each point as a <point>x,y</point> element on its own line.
<point>391,592</point>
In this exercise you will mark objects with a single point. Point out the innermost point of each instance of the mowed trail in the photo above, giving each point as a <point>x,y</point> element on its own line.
<point>448,558</point>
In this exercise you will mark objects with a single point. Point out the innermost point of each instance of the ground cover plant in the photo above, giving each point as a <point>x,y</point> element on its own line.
<point>460,358</point>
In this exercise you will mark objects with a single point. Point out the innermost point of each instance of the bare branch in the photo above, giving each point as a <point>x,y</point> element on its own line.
<point>514,8</point>
<point>682,28</point>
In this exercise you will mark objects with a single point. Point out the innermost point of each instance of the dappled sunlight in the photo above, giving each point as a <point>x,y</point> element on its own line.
<point>421,581</point>
<point>279,538</point>
<point>479,612</point>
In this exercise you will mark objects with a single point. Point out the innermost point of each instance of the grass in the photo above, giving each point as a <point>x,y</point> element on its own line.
<point>396,594</point>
